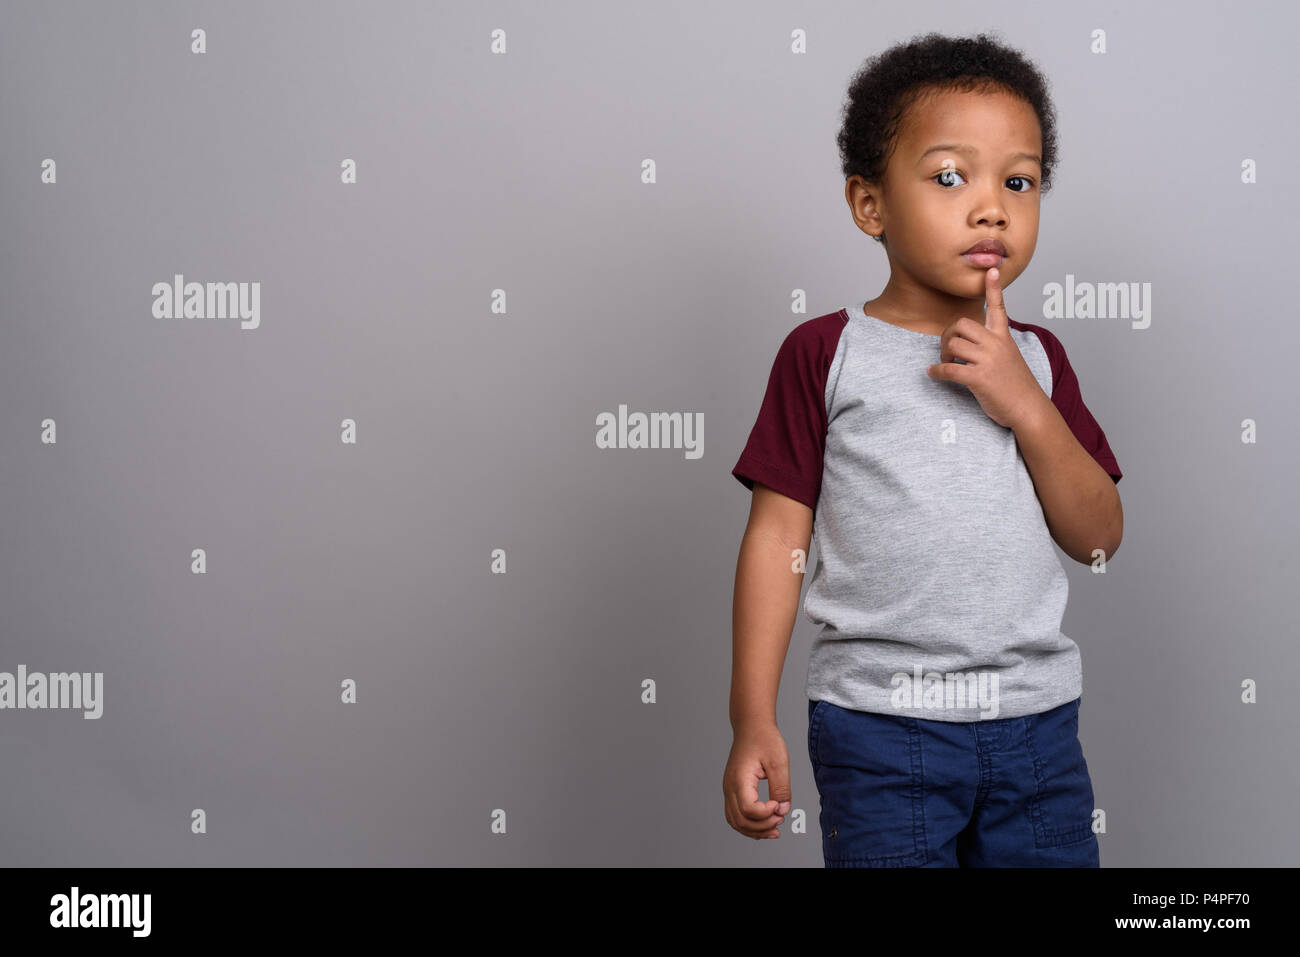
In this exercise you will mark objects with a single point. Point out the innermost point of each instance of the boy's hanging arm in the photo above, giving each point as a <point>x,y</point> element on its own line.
<point>1080,501</point>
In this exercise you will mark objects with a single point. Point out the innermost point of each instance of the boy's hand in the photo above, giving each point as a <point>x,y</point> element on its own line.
<point>757,751</point>
<point>996,372</point>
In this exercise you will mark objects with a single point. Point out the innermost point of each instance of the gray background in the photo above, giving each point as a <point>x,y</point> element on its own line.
<point>476,431</point>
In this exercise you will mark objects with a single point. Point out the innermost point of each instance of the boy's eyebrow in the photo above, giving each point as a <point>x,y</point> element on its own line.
<point>963,148</point>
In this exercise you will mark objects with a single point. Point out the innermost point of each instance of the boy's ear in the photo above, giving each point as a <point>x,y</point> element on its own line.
<point>862,198</point>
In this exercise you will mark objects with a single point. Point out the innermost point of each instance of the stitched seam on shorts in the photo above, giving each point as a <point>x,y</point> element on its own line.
<point>815,733</point>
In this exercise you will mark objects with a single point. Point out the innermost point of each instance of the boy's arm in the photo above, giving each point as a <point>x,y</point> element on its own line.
<point>1080,501</point>
<point>769,578</point>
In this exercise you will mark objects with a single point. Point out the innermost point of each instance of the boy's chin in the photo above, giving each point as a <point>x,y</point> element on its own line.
<point>972,287</point>
<point>975,278</point>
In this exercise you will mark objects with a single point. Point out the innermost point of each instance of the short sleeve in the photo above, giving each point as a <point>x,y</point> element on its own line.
<point>788,440</point>
<point>1068,400</point>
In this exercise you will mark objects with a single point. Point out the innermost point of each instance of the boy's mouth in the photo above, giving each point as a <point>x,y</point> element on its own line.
<point>988,246</point>
<point>986,253</point>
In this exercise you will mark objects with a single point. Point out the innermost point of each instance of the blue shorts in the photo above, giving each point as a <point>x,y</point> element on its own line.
<point>899,791</point>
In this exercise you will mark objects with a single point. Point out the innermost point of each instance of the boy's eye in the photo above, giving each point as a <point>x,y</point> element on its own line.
<point>1029,184</point>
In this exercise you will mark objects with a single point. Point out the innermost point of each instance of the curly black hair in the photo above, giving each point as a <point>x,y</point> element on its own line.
<point>888,84</point>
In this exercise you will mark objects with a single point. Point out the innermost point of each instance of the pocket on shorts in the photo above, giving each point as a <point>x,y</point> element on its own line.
<point>869,778</point>
<point>1062,805</point>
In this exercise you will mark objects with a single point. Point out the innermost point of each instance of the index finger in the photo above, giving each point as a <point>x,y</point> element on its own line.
<point>995,310</point>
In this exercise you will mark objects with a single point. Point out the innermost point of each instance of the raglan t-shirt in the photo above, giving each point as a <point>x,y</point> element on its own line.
<point>935,569</point>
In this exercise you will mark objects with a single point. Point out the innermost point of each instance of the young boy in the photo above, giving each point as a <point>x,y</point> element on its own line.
<point>936,448</point>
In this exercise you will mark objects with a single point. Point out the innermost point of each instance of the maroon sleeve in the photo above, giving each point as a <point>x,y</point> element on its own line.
<point>785,447</point>
<point>1069,401</point>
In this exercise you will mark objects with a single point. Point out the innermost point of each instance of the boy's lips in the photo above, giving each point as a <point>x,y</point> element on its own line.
<point>988,246</point>
<point>983,260</point>
<point>986,253</point>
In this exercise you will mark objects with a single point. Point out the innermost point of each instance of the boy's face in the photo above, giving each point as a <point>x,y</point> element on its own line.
<point>930,216</point>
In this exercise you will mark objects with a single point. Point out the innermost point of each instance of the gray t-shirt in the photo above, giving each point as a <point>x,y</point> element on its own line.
<point>937,585</point>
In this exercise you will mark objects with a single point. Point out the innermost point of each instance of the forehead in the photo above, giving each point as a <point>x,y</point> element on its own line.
<point>995,123</point>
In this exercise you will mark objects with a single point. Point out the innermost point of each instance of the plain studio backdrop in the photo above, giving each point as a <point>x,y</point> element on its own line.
<point>501,153</point>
